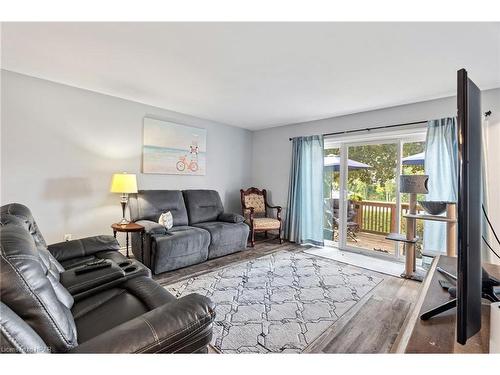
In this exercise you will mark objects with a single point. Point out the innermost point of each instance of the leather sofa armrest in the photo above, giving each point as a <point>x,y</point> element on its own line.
<point>83,247</point>
<point>182,326</point>
<point>150,227</point>
<point>231,218</point>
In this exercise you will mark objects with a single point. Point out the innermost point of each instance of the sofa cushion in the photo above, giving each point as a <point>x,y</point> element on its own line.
<point>179,247</point>
<point>150,204</point>
<point>18,214</point>
<point>231,218</point>
<point>24,213</point>
<point>83,247</point>
<point>226,238</point>
<point>103,311</point>
<point>16,336</point>
<point>182,326</point>
<point>31,290</point>
<point>202,205</point>
<point>266,223</point>
<point>151,229</point>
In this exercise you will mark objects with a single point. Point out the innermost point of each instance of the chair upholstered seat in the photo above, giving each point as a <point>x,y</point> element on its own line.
<point>266,223</point>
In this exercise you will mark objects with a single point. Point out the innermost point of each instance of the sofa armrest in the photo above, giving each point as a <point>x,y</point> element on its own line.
<point>182,326</point>
<point>231,218</point>
<point>83,247</point>
<point>151,227</point>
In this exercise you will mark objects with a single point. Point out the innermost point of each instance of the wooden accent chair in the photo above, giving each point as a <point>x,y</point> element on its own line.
<point>254,206</point>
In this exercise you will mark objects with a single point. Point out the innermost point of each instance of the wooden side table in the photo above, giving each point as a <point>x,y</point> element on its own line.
<point>130,228</point>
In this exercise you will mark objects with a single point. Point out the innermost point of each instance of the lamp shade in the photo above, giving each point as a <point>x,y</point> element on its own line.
<point>124,183</point>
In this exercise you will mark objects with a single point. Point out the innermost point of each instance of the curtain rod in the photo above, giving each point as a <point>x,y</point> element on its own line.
<point>381,127</point>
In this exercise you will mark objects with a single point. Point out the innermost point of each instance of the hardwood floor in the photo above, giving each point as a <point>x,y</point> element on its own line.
<point>370,326</point>
<point>371,241</point>
<point>373,324</point>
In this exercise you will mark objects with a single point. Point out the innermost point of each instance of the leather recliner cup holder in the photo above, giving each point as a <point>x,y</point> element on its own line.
<point>125,264</point>
<point>130,269</point>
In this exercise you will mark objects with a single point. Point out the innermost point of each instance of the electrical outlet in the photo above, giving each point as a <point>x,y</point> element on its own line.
<point>68,236</point>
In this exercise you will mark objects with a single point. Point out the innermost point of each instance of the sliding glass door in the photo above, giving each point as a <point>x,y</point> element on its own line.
<point>331,194</point>
<point>362,204</point>
<point>412,163</point>
<point>371,204</point>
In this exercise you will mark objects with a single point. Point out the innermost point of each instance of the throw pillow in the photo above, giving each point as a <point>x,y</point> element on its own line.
<point>166,219</point>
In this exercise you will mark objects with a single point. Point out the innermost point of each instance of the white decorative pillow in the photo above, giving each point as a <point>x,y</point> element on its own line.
<point>166,219</point>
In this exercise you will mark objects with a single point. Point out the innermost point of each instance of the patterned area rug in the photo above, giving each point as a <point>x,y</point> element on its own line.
<point>279,303</point>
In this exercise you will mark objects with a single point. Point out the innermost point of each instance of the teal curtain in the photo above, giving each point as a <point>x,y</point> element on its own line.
<point>441,164</point>
<point>305,192</point>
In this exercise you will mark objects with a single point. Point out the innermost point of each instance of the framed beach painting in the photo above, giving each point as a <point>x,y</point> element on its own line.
<point>170,148</point>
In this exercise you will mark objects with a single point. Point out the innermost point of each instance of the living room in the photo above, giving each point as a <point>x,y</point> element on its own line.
<point>243,187</point>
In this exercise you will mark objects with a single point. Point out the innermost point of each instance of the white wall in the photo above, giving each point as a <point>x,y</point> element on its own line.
<point>272,148</point>
<point>492,135</point>
<point>60,145</point>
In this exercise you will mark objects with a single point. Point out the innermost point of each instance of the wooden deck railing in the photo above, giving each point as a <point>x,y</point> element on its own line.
<point>377,217</point>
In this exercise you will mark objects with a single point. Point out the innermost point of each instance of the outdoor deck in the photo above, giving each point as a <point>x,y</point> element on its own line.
<point>374,221</point>
<point>372,241</point>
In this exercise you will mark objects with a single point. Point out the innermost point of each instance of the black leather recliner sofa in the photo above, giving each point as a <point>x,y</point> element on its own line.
<point>46,307</point>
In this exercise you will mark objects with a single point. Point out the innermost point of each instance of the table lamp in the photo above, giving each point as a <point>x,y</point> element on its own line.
<point>124,184</point>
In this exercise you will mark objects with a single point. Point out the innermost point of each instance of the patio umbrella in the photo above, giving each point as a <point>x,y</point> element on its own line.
<point>333,162</point>
<point>417,159</point>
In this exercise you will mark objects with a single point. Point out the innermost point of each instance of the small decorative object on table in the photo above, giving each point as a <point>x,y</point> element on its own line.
<point>129,228</point>
<point>124,184</point>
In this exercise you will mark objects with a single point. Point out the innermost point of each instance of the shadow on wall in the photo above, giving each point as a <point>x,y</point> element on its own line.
<point>283,209</point>
<point>65,190</point>
<point>232,201</point>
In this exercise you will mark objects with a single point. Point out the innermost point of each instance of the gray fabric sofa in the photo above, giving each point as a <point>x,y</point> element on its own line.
<point>201,231</point>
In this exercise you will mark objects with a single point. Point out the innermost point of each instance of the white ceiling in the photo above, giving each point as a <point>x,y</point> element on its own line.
<point>258,75</point>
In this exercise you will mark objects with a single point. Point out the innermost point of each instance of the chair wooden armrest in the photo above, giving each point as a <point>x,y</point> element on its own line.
<point>278,210</point>
<point>250,215</point>
<point>274,207</point>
